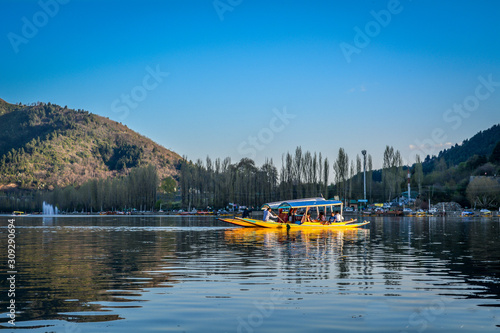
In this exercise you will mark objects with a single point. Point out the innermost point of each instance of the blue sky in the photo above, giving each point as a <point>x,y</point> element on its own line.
<point>258,78</point>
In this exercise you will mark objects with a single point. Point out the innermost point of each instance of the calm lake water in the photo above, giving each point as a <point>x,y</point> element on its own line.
<point>186,274</point>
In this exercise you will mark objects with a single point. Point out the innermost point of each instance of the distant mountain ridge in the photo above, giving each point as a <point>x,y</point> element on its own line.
<point>481,143</point>
<point>46,145</point>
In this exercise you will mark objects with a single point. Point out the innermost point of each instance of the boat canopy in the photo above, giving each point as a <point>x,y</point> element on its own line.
<point>310,203</point>
<point>277,204</point>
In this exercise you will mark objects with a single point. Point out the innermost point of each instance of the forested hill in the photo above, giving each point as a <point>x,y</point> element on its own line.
<point>46,145</point>
<point>481,144</point>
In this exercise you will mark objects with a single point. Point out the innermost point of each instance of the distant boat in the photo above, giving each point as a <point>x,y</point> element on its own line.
<point>19,213</point>
<point>204,212</point>
<point>485,213</point>
<point>419,213</point>
<point>466,213</point>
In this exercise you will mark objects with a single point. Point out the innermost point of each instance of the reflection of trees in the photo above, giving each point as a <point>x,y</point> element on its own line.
<point>467,251</point>
<point>390,248</point>
<point>71,270</point>
<point>68,269</point>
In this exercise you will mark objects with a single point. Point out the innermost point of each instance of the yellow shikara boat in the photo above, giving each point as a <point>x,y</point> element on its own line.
<point>316,225</point>
<point>285,208</point>
<point>238,222</point>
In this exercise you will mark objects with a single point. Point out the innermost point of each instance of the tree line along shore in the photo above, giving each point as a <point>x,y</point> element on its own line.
<point>219,183</point>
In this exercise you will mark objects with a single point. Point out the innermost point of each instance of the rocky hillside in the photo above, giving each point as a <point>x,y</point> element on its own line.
<point>46,145</point>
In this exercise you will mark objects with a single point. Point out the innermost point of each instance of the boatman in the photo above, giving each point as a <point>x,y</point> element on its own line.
<point>268,214</point>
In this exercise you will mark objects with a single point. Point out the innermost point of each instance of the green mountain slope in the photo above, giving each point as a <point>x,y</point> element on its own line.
<point>45,145</point>
<point>480,144</point>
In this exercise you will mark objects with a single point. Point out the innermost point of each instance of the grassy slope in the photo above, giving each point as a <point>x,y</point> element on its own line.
<point>46,145</point>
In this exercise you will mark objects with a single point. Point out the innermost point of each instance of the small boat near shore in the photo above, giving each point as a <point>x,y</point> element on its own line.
<point>485,213</point>
<point>418,213</point>
<point>466,213</point>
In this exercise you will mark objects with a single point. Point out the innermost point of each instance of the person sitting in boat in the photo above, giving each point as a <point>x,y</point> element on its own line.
<point>321,218</point>
<point>338,218</point>
<point>331,219</point>
<point>268,214</point>
<point>306,217</point>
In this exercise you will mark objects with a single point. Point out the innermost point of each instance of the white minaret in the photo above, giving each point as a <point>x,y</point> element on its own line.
<point>409,189</point>
<point>364,173</point>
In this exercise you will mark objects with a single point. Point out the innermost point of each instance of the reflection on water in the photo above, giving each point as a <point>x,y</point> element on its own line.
<point>95,274</point>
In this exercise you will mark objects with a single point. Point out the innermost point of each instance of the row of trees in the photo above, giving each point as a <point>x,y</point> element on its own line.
<point>136,190</point>
<point>306,174</point>
<point>219,182</point>
<point>303,174</point>
<point>472,183</point>
<point>216,183</point>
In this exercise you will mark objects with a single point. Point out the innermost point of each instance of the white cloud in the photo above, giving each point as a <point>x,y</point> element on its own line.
<point>361,88</point>
<point>439,145</point>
